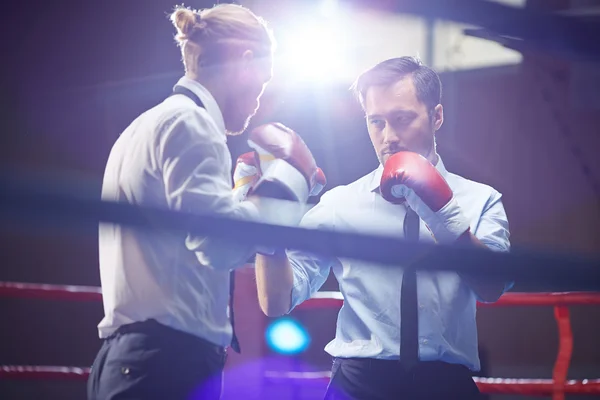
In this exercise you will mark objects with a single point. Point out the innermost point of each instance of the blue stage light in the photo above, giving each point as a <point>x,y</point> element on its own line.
<point>287,336</point>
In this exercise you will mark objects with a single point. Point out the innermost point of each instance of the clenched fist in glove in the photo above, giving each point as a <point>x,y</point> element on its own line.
<point>247,173</point>
<point>410,176</point>
<point>245,176</point>
<point>286,163</point>
<point>248,176</point>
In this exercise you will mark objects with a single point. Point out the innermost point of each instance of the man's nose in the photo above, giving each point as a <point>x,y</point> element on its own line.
<point>390,135</point>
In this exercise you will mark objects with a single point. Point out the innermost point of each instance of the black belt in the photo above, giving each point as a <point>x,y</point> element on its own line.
<point>153,327</point>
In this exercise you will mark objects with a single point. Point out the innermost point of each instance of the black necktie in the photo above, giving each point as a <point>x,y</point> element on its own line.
<point>409,319</point>
<point>235,345</point>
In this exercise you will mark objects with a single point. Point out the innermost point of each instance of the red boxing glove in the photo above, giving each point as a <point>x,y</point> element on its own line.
<point>285,160</point>
<point>416,172</point>
<point>410,176</point>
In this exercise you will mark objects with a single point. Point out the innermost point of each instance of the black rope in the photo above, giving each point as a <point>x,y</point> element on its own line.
<point>40,202</point>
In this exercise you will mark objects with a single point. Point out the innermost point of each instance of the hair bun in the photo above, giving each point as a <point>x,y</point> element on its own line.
<point>200,22</point>
<point>186,21</point>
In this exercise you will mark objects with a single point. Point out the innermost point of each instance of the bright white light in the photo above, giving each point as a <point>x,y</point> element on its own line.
<point>315,45</point>
<point>287,336</point>
<point>316,52</point>
<point>328,8</point>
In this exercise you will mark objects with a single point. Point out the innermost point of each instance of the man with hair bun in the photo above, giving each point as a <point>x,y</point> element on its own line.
<point>167,296</point>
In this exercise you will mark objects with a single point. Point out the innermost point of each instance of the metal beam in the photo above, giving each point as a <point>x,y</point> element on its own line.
<point>543,31</point>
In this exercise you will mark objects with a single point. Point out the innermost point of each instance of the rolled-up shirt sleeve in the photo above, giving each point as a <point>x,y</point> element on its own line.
<point>493,229</point>
<point>311,270</point>
<point>196,167</point>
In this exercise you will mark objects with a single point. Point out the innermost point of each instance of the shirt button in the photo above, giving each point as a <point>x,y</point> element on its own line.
<point>421,306</point>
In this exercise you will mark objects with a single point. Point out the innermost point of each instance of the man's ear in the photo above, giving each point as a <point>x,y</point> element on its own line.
<point>438,117</point>
<point>247,58</point>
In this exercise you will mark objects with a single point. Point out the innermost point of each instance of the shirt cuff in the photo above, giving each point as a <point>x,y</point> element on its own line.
<point>299,291</point>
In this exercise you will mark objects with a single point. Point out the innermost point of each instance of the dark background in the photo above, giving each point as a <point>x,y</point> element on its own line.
<point>75,73</point>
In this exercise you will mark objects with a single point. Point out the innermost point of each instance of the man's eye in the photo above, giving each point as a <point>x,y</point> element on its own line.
<point>376,122</point>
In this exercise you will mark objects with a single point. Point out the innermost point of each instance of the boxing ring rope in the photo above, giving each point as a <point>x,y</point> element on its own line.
<point>558,386</point>
<point>47,201</point>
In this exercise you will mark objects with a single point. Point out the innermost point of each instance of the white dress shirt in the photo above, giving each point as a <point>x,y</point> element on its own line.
<point>368,323</point>
<point>173,156</point>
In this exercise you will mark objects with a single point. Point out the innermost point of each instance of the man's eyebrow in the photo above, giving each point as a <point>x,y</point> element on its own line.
<point>403,112</point>
<point>394,112</point>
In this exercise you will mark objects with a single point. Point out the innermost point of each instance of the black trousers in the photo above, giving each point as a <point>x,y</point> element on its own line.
<point>372,379</point>
<point>147,360</point>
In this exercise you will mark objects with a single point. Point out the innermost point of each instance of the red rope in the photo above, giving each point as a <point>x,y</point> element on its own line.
<point>312,304</point>
<point>35,372</point>
<point>50,292</point>
<point>557,386</point>
<point>534,387</point>
<point>508,299</point>
<point>546,299</point>
<point>323,299</point>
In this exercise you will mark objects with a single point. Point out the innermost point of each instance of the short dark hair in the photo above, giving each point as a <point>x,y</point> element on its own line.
<point>426,80</point>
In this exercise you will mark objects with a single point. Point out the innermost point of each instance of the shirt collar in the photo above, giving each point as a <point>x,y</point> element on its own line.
<point>376,175</point>
<point>207,99</point>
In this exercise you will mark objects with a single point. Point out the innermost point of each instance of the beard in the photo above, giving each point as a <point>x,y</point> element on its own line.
<point>236,120</point>
<point>427,150</point>
<point>237,126</point>
<point>387,152</point>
